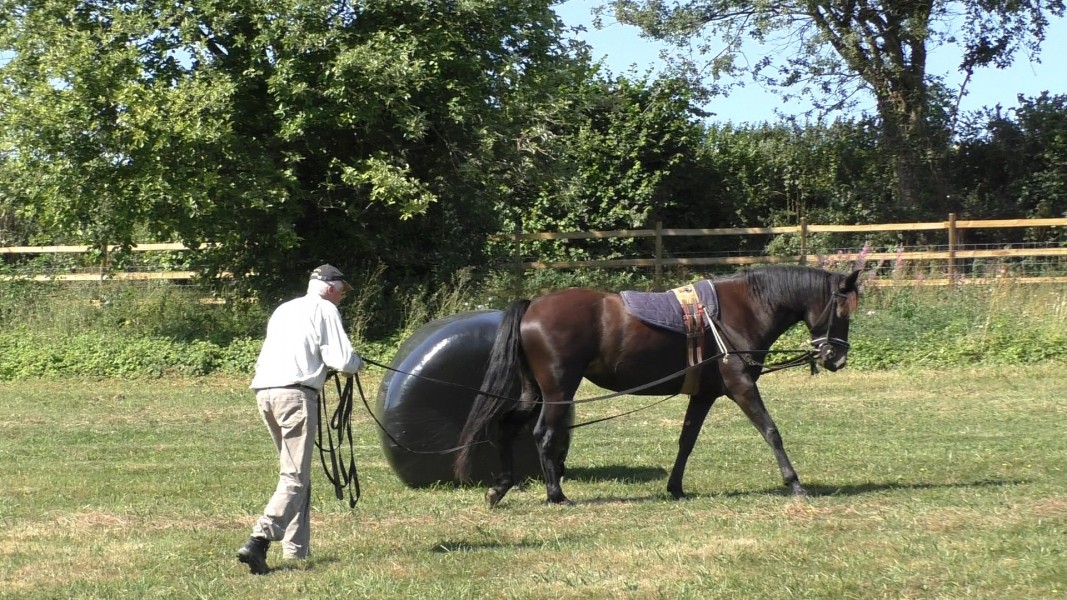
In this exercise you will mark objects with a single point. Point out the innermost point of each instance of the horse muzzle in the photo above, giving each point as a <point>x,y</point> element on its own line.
<point>831,354</point>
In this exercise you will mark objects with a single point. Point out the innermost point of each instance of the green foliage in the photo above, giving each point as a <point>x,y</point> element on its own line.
<point>136,309</point>
<point>145,332</point>
<point>922,327</point>
<point>288,134</point>
<point>30,355</point>
<point>627,157</point>
<point>777,174</point>
<point>1013,162</point>
<point>833,51</point>
<point>393,138</point>
<point>117,329</point>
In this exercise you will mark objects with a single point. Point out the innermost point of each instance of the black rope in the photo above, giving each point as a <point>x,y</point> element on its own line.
<point>627,413</point>
<point>806,356</point>
<point>340,422</point>
<point>389,435</point>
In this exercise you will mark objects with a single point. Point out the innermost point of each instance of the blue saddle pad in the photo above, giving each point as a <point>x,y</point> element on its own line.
<point>662,309</point>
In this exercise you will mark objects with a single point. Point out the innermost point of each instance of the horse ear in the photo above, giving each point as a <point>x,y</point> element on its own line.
<point>851,282</point>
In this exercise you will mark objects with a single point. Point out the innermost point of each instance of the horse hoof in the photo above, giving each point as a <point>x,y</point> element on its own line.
<point>679,497</point>
<point>799,492</point>
<point>561,501</point>
<point>493,497</point>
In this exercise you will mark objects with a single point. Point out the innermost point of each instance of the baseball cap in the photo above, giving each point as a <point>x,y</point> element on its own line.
<point>329,273</point>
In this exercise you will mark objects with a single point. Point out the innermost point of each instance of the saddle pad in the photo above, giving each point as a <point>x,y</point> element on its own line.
<point>662,309</point>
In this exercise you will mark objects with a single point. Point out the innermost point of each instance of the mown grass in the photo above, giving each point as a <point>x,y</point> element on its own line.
<point>925,484</point>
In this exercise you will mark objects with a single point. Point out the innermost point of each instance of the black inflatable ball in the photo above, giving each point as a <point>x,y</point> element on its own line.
<point>424,403</point>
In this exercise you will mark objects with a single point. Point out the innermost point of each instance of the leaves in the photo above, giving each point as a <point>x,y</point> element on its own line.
<point>290,133</point>
<point>831,50</point>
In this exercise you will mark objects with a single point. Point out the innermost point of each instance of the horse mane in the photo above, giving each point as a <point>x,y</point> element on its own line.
<point>786,284</point>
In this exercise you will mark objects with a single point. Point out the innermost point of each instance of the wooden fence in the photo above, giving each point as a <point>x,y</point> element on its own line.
<point>951,255</point>
<point>102,272</point>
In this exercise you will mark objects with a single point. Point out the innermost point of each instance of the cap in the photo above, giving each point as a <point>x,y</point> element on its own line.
<point>329,273</point>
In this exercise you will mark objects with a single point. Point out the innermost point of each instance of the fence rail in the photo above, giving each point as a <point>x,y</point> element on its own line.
<point>101,272</point>
<point>950,256</point>
<point>84,249</point>
<point>954,250</point>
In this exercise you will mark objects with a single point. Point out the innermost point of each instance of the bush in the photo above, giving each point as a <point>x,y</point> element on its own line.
<point>1005,323</point>
<point>131,332</point>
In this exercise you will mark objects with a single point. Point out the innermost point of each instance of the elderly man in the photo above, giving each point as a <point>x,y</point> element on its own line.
<point>305,339</point>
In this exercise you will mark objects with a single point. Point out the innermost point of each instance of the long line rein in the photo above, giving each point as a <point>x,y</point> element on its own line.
<point>343,476</point>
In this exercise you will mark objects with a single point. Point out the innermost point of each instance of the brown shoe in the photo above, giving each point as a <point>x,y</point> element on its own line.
<point>254,554</point>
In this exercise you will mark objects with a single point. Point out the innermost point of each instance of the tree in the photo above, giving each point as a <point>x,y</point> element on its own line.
<point>625,159</point>
<point>286,133</point>
<point>830,49</point>
<point>1011,163</point>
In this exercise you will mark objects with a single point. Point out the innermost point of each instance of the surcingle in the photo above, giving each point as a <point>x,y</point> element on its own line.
<point>683,310</point>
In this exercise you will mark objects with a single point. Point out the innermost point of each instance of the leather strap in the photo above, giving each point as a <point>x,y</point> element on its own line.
<point>692,316</point>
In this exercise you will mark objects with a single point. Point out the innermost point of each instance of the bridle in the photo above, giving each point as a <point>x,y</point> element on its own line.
<point>829,338</point>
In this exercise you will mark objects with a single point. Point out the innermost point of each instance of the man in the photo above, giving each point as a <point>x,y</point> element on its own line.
<point>305,339</point>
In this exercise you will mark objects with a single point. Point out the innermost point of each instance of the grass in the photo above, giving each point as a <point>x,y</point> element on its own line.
<point>926,484</point>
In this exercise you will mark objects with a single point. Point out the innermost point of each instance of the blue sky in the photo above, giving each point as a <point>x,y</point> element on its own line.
<point>621,46</point>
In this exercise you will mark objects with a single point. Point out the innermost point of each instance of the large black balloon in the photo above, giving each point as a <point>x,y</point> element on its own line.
<point>424,403</point>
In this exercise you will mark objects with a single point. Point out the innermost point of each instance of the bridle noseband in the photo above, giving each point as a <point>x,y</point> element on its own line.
<point>829,338</point>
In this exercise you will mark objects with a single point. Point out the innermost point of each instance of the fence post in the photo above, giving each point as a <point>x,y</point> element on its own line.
<point>952,242</point>
<point>658,276</point>
<point>803,240</point>
<point>516,273</point>
<point>103,261</point>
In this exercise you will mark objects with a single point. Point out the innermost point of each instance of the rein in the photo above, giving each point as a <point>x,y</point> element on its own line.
<point>626,392</point>
<point>340,422</point>
<point>803,357</point>
<point>806,357</point>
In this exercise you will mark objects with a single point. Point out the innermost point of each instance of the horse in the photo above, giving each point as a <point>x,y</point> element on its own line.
<point>550,343</point>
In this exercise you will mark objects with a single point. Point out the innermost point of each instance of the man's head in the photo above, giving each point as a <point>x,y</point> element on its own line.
<point>328,282</point>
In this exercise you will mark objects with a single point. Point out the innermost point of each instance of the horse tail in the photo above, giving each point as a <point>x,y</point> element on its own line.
<point>500,375</point>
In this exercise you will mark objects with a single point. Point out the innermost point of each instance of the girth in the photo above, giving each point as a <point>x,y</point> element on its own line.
<point>692,317</point>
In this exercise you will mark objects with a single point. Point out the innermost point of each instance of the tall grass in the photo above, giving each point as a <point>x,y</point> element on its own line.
<point>150,329</point>
<point>1002,323</point>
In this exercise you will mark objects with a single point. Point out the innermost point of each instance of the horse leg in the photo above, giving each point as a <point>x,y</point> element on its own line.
<point>510,424</point>
<point>751,404</point>
<point>565,443</point>
<point>695,413</point>
<point>505,480</point>
<point>551,433</point>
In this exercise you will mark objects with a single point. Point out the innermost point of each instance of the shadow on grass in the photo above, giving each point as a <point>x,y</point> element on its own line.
<point>859,489</point>
<point>303,565</point>
<point>814,491</point>
<point>620,473</point>
<point>450,546</point>
<point>873,487</point>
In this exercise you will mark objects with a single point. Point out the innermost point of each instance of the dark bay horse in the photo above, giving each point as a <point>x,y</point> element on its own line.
<point>550,343</point>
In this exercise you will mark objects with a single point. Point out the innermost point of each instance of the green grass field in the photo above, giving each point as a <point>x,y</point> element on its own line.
<point>925,484</point>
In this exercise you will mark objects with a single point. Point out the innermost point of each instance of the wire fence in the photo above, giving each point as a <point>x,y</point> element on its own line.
<point>930,251</point>
<point>1036,252</point>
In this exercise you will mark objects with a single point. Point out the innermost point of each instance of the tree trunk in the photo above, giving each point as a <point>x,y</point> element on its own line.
<point>915,153</point>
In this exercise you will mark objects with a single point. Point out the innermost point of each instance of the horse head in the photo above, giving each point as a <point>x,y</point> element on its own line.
<point>828,323</point>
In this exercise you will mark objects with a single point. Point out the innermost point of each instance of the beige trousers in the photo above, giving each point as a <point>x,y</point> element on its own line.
<point>292,416</point>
